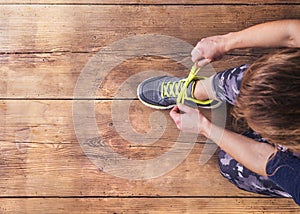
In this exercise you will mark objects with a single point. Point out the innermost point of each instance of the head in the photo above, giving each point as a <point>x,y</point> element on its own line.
<point>269,99</point>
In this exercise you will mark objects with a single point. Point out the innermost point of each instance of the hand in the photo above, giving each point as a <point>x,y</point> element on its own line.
<point>209,49</point>
<point>188,119</point>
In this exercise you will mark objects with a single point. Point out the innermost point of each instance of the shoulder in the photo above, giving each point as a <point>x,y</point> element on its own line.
<point>284,169</point>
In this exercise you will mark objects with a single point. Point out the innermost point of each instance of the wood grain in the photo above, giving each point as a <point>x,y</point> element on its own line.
<point>45,166</point>
<point>153,2</point>
<point>45,76</point>
<point>84,28</point>
<point>40,155</point>
<point>149,205</point>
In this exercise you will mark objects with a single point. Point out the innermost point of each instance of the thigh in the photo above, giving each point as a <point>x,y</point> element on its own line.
<point>245,179</point>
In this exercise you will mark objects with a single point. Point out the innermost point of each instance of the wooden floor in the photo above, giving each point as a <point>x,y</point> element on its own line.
<point>45,49</point>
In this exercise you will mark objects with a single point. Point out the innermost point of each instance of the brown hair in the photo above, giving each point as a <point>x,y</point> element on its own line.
<point>269,99</point>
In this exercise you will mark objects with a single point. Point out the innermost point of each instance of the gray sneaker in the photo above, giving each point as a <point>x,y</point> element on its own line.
<point>164,92</point>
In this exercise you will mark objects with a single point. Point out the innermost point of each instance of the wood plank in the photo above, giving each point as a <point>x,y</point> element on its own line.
<point>153,2</point>
<point>149,205</point>
<point>55,75</point>
<point>84,28</point>
<point>40,155</point>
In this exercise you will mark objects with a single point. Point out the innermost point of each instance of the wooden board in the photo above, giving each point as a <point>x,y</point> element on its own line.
<point>84,28</point>
<point>148,205</point>
<point>152,2</point>
<point>40,155</point>
<point>45,76</point>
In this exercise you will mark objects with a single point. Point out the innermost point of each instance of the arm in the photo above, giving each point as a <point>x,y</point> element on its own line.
<point>248,152</point>
<point>282,33</point>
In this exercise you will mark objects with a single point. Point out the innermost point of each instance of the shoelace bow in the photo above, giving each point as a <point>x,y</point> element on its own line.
<point>182,95</point>
<point>179,88</point>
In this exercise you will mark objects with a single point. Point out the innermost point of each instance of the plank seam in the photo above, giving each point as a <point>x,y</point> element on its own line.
<point>46,52</point>
<point>71,99</point>
<point>94,52</point>
<point>136,197</point>
<point>144,4</point>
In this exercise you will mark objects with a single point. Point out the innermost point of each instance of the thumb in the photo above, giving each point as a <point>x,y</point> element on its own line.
<point>203,62</point>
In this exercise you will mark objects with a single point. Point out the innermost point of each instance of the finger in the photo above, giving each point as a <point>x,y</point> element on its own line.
<point>203,62</point>
<point>176,116</point>
<point>174,112</point>
<point>175,109</point>
<point>184,108</point>
<point>196,55</point>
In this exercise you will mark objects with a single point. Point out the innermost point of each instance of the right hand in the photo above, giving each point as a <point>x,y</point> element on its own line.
<point>209,49</point>
<point>190,120</point>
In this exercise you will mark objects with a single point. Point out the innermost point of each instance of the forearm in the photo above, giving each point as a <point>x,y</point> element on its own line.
<point>250,153</point>
<point>282,33</point>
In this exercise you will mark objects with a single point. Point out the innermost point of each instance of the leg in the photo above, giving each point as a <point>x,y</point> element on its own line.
<point>222,86</point>
<point>246,179</point>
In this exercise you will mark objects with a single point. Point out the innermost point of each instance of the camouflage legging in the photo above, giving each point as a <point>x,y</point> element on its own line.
<point>226,85</point>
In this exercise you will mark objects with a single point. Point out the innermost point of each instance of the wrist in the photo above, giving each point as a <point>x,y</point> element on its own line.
<point>230,41</point>
<point>205,127</point>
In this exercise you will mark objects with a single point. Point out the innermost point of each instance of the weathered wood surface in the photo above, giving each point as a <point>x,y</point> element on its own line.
<point>55,75</point>
<point>45,46</point>
<point>84,28</point>
<point>40,155</point>
<point>158,2</point>
<point>148,205</point>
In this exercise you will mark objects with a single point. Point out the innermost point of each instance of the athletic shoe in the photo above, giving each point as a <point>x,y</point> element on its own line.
<point>164,92</point>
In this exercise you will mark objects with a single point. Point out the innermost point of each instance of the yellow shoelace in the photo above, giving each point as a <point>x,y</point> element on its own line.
<point>179,89</point>
<point>182,95</point>
<point>172,89</point>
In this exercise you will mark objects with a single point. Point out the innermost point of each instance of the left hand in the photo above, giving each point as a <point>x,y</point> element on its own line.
<point>209,49</point>
<point>187,119</point>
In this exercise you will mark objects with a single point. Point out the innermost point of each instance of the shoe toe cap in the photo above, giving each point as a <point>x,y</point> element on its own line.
<point>149,91</point>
